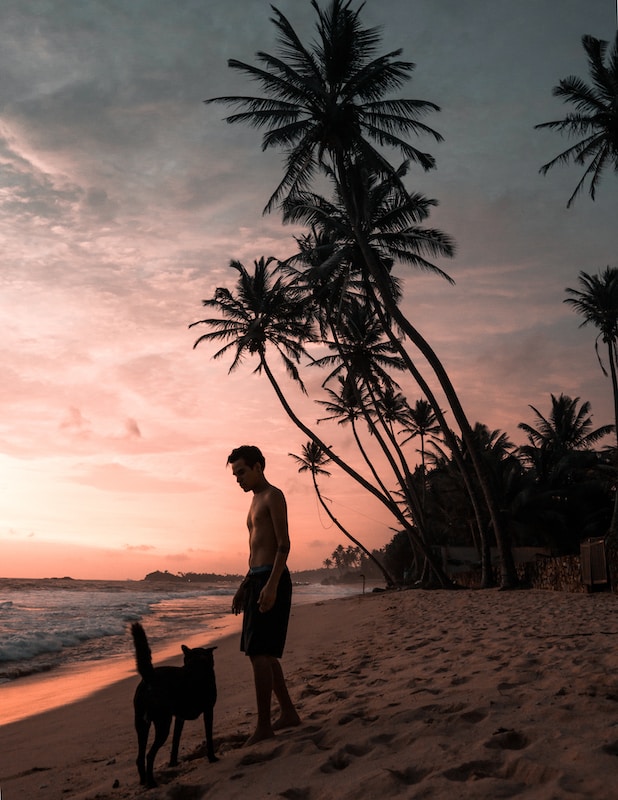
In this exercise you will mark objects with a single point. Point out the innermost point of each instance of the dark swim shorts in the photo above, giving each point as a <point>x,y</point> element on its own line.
<point>263,634</point>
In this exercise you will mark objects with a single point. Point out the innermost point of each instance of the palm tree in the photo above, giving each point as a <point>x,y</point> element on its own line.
<point>567,428</point>
<point>328,98</point>
<point>597,302</point>
<point>325,107</point>
<point>263,311</point>
<point>450,493</point>
<point>420,420</point>
<point>569,484</point>
<point>595,117</point>
<point>393,223</point>
<point>360,347</point>
<point>313,459</point>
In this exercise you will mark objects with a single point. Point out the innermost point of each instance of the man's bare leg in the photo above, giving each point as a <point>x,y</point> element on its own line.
<point>288,717</point>
<point>264,684</point>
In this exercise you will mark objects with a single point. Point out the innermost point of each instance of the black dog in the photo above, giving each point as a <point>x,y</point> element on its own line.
<point>165,692</point>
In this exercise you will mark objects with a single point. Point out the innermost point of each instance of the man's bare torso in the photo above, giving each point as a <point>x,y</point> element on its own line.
<point>262,539</point>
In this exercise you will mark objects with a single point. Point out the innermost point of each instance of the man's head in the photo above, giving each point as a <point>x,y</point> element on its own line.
<point>248,465</point>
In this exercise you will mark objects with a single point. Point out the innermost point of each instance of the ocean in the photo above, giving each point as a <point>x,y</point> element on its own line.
<point>53,632</point>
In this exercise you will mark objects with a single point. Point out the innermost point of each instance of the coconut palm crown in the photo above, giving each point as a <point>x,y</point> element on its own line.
<point>595,117</point>
<point>261,312</point>
<point>329,98</point>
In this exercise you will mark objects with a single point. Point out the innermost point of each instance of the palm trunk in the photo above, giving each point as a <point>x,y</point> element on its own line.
<point>613,527</point>
<point>487,580</point>
<point>612,536</point>
<point>390,581</point>
<point>508,573</point>
<point>392,507</point>
<point>368,461</point>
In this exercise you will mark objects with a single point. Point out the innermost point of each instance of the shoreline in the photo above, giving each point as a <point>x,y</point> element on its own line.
<point>95,660</point>
<point>77,681</point>
<point>472,694</point>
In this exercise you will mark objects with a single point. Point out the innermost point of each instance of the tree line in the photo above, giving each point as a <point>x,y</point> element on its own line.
<point>334,307</point>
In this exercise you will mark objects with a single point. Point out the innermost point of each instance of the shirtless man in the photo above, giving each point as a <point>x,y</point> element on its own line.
<point>265,595</point>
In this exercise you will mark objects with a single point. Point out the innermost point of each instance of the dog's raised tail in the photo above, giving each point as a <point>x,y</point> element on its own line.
<point>143,656</point>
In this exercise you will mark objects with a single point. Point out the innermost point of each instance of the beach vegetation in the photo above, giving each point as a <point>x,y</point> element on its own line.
<point>573,482</point>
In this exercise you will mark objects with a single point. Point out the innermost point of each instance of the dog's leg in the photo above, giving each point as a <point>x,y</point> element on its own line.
<point>210,750</point>
<point>142,727</point>
<point>178,726</point>
<point>162,731</point>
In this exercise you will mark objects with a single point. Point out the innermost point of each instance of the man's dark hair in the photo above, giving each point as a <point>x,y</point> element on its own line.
<point>249,453</point>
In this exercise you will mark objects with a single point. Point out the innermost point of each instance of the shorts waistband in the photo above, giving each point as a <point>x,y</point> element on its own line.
<point>260,570</point>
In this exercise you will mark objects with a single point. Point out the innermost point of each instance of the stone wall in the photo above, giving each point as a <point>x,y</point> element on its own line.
<point>561,574</point>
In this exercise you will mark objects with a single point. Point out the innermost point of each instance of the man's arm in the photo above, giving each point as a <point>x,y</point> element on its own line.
<point>238,601</point>
<point>279,517</point>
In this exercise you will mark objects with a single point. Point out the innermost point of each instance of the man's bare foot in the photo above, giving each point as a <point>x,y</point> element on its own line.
<point>289,720</point>
<point>259,736</point>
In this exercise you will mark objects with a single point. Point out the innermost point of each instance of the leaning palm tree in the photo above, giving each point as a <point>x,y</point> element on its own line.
<point>313,459</point>
<point>326,106</point>
<point>597,302</point>
<point>595,118</point>
<point>262,312</point>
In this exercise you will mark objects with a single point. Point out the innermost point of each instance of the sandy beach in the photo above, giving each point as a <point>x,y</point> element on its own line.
<point>465,694</point>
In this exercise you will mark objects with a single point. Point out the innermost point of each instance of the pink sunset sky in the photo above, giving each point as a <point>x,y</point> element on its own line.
<point>123,198</point>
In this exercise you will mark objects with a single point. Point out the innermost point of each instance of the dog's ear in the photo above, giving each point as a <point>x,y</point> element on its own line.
<point>186,650</point>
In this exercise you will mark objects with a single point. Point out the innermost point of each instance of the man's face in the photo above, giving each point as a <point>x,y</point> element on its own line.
<point>246,477</point>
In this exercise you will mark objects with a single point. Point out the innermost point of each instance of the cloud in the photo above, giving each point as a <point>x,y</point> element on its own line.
<point>113,477</point>
<point>132,429</point>
<point>74,421</point>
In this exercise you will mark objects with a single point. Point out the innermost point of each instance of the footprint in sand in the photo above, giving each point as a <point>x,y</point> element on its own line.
<point>297,794</point>
<point>507,739</point>
<point>354,715</point>
<point>260,756</point>
<point>310,691</point>
<point>336,763</point>
<point>409,776</point>
<point>189,792</point>
<point>474,716</point>
<point>471,770</point>
<point>611,749</point>
<point>342,758</point>
<point>310,742</point>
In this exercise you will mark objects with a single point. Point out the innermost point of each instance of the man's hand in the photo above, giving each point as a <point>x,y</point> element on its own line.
<point>267,598</point>
<point>238,603</point>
